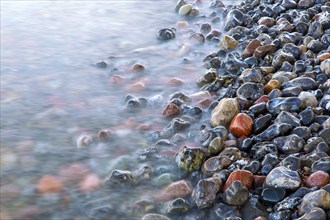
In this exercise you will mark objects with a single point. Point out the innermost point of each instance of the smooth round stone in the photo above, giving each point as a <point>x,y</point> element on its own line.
<point>258,109</point>
<point>216,145</point>
<point>236,194</point>
<point>289,144</point>
<point>224,112</point>
<point>153,216</point>
<point>205,192</point>
<point>323,56</point>
<point>241,125</point>
<point>276,105</point>
<point>315,46</point>
<point>228,42</point>
<point>307,116</point>
<point>185,9</point>
<point>232,152</point>
<point>325,134</point>
<point>273,131</point>
<point>208,77</point>
<point>261,123</point>
<point>190,159</point>
<point>302,131</point>
<point>259,150</point>
<point>244,176</point>
<point>282,177</point>
<point>307,99</point>
<point>253,166</point>
<point>305,83</point>
<point>251,75</point>
<point>319,198</point>
<point>319,178</point>
<point>291,162</point>
<point>270,159</point>
<point>179,189</point>
<point>287,117</point>
<point>325,66</point>
<point>323,164</point>
<point>176,206</point>
<point>250,91</point>
<point>263,50</point>
<point>289,4</point>
<point>272,195</point>
<point>250,48</point>
<point>291,92</point>
<point>215,164</point>
<point>234,18</point>
<point>313,214</point>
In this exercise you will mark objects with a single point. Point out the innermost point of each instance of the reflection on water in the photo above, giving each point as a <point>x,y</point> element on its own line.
<point>52,92</point>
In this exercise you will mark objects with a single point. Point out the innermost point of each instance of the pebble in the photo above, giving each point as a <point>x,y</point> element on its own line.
<point>236,194</point>
<point>325,66</point>
<point>223,211</point>
<point>49,184</point>
<point>250,91</point>
<point>287,117</point>
<point>319,178</point>
<point>215,164</point>
<point>185,9</point>
<point>137,68</point>
<point>171,110</point>
<point>314,213</point>
<point>305,83</point>
<point>253,208</point>
<point>176,206</point>
<point>282,177</point>
<point>241,125</point>
<point>323,164</point>
<point>250,48</point>
<point>273,131</point>
<point>289,144</point>
<point>263,50</point>
<point>224,112</point>
<point>189,158</point>
<point>166,34</point>
<point>251,75</point>
<point>205,192</point>
<point>272,195</point>
<point>272,84</point>
<point>261,123</point>
<point>179,189</point>
<point>319,198</point>
<point>228,42</point>
<point>244,176</point>
<point>307,99</point>
<point>307,116</point>
<point>290,104</point>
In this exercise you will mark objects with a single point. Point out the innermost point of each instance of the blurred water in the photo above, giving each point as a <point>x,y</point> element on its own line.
<point>51,91</point>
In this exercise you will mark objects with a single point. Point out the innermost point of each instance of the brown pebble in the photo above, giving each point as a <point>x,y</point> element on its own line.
<point>204,103</point>
<point>262,51</point>
<point>104,134</point>
<point>303,48</point>
<point>216,32</point>
<point>319,178</point>
<point>267,21</point>
<point>272,84</point>
<point>250,48</point>
<point>175,82</point>
<point>171,110</point>
<point>281,20</point>
<point>267,69</point>
<point>117,80</point>
<point>182,24</point>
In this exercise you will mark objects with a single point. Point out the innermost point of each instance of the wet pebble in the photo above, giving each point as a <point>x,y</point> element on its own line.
<point>49,184</point>
<point>228,42</point>
<point>236,194</point>
<point>290,104</point>
<point>250,91</point>
<point>282,177</point>
<point>166,34</point>
<point>241,125</point>
<point>244,176</point>
<point>176,206</point>
<point>319,178</point>
<point>289,144</point>
<point>215,164</point>
<point>319,198</point>
<point>314,213</point>
<point>205,192</point>
<point>153,216</point>
<point>273,131</point>
<point>224,112</point>
<point>179,189</point>
<point>189,158</point>
<point>250,48</point>
<point>272,195</point>
<point>171,110</point>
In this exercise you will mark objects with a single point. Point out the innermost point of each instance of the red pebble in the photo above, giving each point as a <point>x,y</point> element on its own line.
<point>246,178</point>
<point>262,99</point>
<point>319,178</point>
<point>241,125</point>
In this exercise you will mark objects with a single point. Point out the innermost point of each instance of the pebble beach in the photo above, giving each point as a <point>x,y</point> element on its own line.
<point>241,134</point>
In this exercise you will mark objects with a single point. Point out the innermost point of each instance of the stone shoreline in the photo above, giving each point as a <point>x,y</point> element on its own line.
<point>263,150</point>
